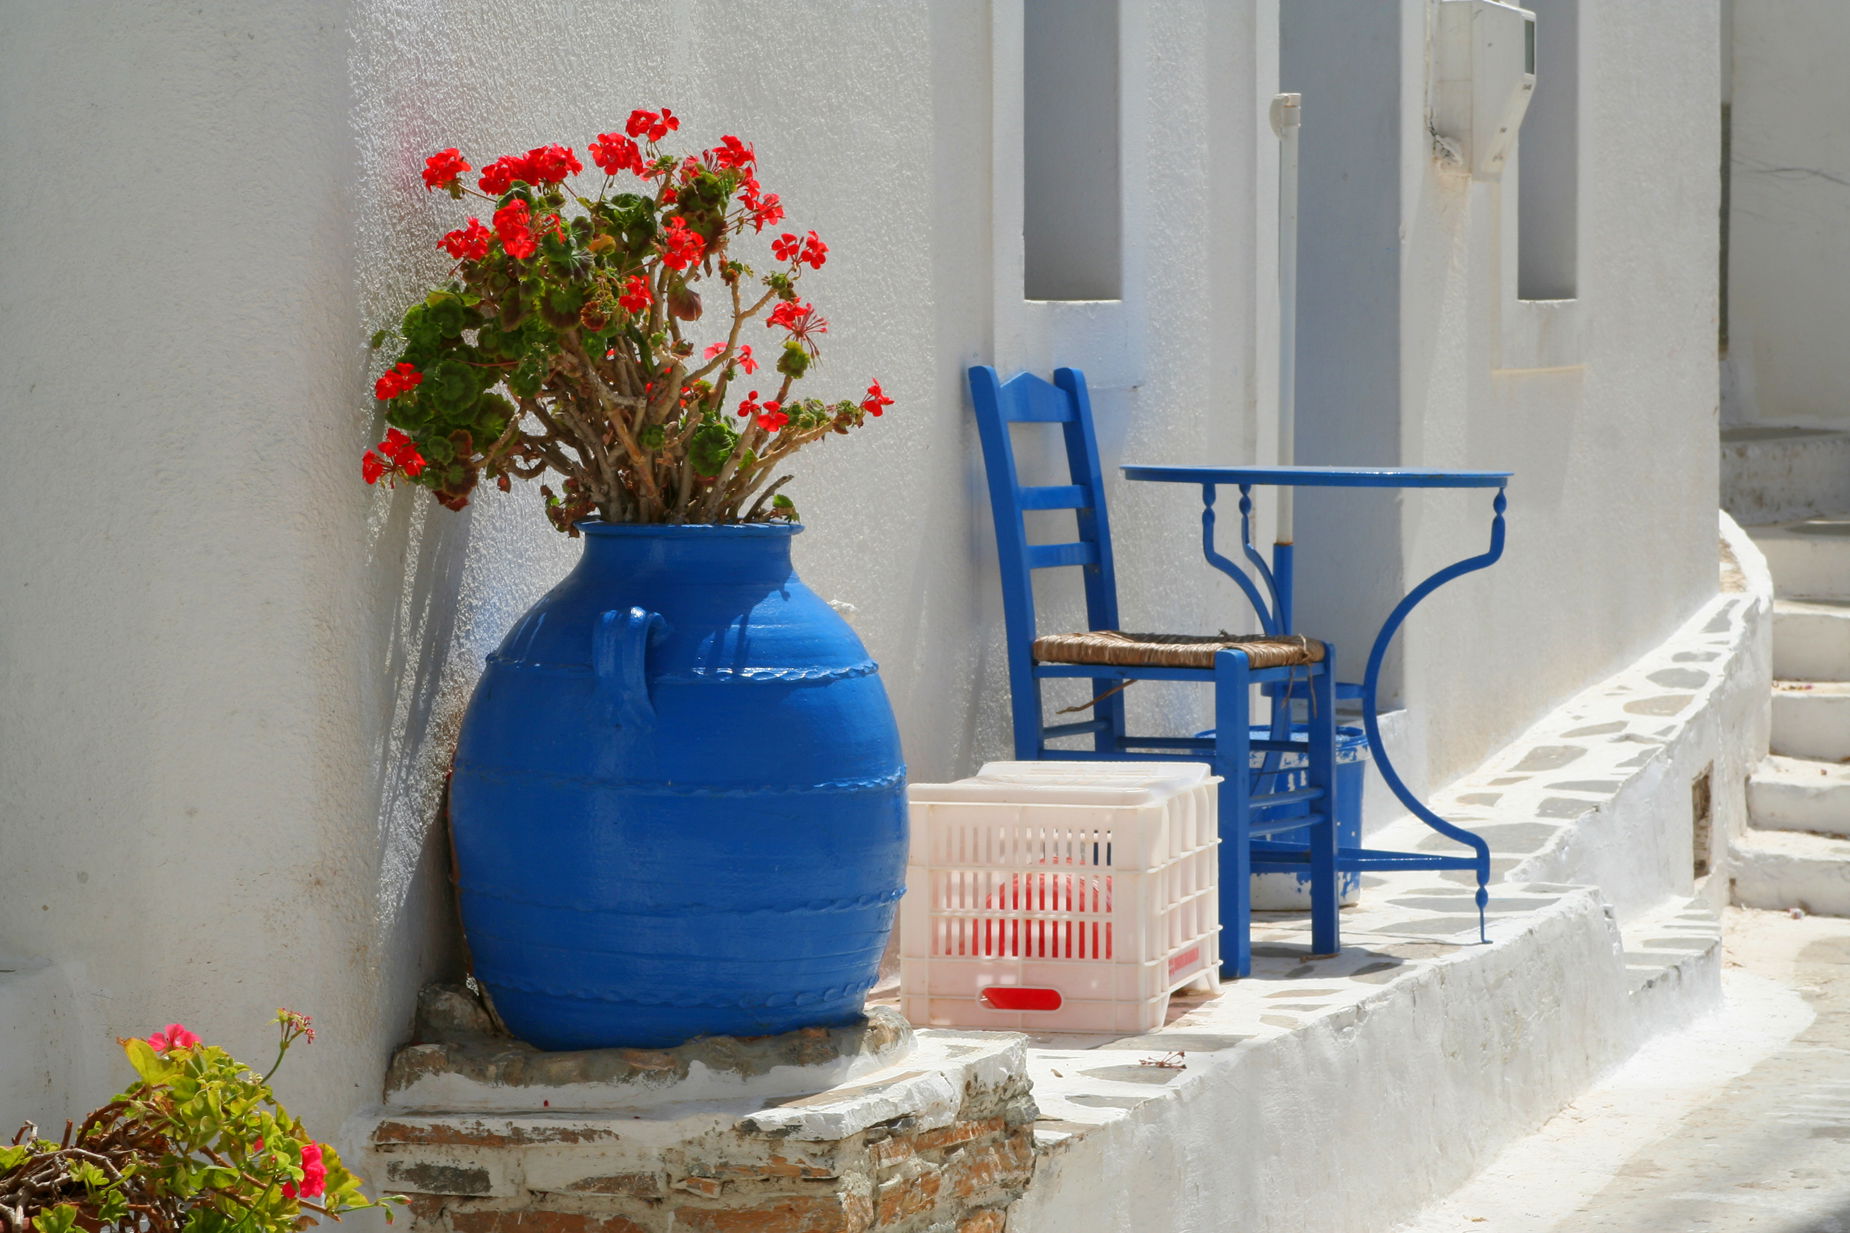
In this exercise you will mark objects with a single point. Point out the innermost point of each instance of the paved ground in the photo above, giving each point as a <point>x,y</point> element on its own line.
<point>1740,1123</point>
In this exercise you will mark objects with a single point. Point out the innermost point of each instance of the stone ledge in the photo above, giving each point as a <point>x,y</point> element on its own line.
<point>940,1140</point>
<point>463,1063</point>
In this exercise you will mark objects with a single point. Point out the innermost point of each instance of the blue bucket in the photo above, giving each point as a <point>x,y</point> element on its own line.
<point>1276,892</point>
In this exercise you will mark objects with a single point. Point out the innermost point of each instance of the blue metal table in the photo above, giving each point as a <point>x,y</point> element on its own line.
<point>1274,608</point>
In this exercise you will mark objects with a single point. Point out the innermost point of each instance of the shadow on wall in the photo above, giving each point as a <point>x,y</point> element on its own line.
<point>417,738</point>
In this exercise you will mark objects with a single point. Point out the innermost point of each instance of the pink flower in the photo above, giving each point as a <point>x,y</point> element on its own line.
<point>173,1036</point>
<point>314,1174</point>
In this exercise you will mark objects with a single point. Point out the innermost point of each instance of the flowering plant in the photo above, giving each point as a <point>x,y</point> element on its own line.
<point>197,1143</point>
<point>562,341</point>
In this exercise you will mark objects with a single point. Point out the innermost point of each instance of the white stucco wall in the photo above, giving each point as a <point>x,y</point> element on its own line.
<point>1789,212</point>
<point>1604,407</point>
<point>232,672</point>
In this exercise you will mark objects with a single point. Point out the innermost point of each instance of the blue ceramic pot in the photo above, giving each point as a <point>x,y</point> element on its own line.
<point>678,803</point>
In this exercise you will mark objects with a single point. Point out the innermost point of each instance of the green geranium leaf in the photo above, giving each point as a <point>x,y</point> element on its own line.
<point>710,446</point>
<point>59,1219</point>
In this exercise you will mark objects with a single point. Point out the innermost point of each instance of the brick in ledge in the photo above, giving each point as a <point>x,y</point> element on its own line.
<point>542,1220</point>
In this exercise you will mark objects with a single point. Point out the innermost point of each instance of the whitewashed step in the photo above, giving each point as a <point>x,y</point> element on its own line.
<point>1784,869</point>
<point>1811,719</point>
<point>1810,557</point>
<point>1773,474</point>
<point>1800,794</point>
<point>1811,639</point>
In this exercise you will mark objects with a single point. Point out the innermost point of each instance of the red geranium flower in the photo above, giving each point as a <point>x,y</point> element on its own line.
<point>771,417</point>
<point>400,380</point>
<point>742,357</point>
<point>786,247</point>
<point>636,295</point>
<point>648,124</point>
<point>513,223</point>
<point>396,455</point>
<point>550,164</point>
<point>499,176</point>
<point>762,207</point>
<point>750,405</point>
<point>468,244</point>
<point>442,169</point>
<point>875,400</point>
<point>731,152</point>
<point>815,252</point>
<point>801,320</point>
<point>614,152</point>
<point>681,247</point>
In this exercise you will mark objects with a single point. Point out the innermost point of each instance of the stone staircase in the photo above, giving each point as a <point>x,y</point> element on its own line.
<point>1796,852</point>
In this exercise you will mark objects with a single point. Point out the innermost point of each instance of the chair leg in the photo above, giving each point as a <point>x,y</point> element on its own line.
<point>1232,759</point>
<point>1325,894</point>
<point>1025,710</point>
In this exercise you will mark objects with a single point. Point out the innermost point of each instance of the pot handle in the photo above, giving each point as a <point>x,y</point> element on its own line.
<point>619,654</point>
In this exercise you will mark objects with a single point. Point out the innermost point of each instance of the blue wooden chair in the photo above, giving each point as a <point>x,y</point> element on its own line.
<point>1110,659</point>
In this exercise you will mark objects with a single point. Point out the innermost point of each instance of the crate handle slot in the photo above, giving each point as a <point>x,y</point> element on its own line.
<point>1019,997</point>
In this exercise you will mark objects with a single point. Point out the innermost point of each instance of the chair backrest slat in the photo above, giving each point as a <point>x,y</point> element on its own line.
<point>1026,398</point>
<point>1036,403</point>
<point>1044,556</point>
<point>1055,496</point>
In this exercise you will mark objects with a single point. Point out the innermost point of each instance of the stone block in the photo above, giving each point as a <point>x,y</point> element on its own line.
<point>906,1197</point>
<point>837,1213</point>
<point>593,1170</point>
<point>449,1173</point>
<point>1005,1165</point>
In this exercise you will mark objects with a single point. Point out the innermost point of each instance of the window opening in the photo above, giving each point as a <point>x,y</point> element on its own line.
<point>1072,208</point>
<point>1548,169</point>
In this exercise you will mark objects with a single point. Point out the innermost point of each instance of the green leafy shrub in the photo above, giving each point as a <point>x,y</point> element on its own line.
<point>198,1144</point>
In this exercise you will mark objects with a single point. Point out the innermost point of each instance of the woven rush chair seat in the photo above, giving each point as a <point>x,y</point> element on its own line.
<point>1118,649</point>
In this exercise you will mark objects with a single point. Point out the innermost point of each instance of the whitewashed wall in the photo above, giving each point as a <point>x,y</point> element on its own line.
<point>1604,406</point>
<point>231,673</point>
<point>1789,212</point>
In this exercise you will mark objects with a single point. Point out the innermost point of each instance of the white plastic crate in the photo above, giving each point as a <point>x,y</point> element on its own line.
<point>1060,896</point>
